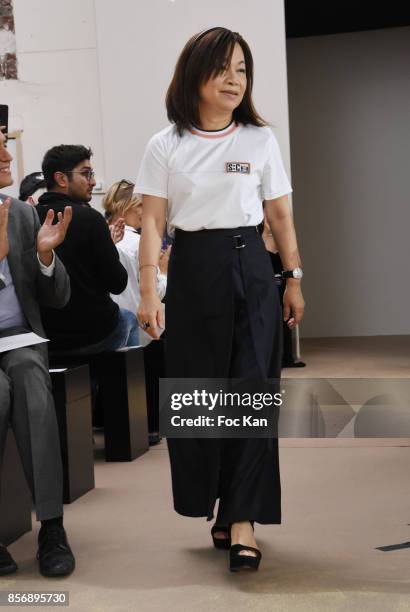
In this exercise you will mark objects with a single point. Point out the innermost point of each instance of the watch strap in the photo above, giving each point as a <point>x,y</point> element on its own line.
<point>295,273</point>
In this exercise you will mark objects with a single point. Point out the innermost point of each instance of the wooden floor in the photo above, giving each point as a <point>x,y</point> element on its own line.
<point>341,500</point>
<point>367,356</point>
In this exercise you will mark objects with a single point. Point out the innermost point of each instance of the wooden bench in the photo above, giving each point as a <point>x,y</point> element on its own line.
<point>154,360</point>
<point>72,398</point>
<point>120,379</point>
<point>122,398</point>
<point>15,498</point>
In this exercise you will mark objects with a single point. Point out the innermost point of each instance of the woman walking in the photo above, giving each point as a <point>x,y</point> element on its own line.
<point>207,175</point>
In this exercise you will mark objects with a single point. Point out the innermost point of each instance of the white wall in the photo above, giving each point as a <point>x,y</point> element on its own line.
<point>88,76</point>
<point>349,101</point>
<point>56,99</point>
<point>137,58</point>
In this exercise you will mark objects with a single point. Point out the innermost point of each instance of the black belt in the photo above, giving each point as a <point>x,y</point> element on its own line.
<point>239,235</point>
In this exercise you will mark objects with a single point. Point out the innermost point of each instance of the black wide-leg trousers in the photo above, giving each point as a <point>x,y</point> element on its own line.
<point>223,320</point>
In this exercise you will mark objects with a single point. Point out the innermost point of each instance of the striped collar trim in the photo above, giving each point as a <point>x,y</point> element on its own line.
<point>215,134</point>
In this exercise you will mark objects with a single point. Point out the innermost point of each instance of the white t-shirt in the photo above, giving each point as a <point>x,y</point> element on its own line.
<point>213,179</point>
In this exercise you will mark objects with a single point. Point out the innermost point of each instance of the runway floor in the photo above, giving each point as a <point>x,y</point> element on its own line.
<point>342,499</point>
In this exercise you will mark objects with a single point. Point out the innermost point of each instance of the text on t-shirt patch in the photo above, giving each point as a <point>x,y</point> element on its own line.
<point>238,167</point>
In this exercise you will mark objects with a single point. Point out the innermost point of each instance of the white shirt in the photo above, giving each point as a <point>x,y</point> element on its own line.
<point>130,298</point>
<point>213,179</point>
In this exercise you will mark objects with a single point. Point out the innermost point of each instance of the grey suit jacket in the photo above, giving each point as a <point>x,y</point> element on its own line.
<point>32,287</point>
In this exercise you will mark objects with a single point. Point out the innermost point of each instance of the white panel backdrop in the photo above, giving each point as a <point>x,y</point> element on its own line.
<point>350,132</point>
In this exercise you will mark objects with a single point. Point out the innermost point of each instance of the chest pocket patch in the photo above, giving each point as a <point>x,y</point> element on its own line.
<point>238,167</point>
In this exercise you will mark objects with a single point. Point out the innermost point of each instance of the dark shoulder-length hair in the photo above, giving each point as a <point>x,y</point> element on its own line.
<point>204,56</point>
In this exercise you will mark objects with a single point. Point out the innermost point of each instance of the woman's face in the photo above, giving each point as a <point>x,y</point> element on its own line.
<point>224,92</point>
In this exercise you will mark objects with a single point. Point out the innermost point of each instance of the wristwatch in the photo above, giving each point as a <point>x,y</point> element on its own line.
<point>295,273</point>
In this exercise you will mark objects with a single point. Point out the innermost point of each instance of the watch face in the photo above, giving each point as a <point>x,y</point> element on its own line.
<point>297,273</point>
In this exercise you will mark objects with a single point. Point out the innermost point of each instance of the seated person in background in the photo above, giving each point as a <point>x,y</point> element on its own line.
<point>121,202</point>
<point>31,275</point>
<point>91,322</point>
<point>32,187</point>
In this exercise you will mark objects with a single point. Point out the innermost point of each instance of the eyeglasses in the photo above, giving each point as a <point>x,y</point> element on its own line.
<point>122,182</point>
<point>87,174</point>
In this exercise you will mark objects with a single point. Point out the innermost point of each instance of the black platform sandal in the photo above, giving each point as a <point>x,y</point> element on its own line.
<point>240,563</point>
<point>221,543</point>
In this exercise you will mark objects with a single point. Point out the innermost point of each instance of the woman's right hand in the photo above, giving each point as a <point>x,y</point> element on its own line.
<point>151,311</point>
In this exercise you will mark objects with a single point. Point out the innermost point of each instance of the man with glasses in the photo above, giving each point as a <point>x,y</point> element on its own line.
<point>91,322</point>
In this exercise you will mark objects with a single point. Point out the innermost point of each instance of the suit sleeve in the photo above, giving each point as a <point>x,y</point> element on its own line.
<point>52,291</point>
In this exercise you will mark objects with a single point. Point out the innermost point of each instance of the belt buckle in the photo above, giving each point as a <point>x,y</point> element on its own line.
<point>238,242</point>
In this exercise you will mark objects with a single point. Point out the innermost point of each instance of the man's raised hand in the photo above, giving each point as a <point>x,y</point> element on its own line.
<point>51,236</point>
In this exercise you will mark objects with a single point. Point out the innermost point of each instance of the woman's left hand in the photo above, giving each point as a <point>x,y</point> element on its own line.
<point>293,304</point>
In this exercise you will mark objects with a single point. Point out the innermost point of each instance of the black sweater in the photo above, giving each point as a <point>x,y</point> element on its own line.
<point>92,262</point>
